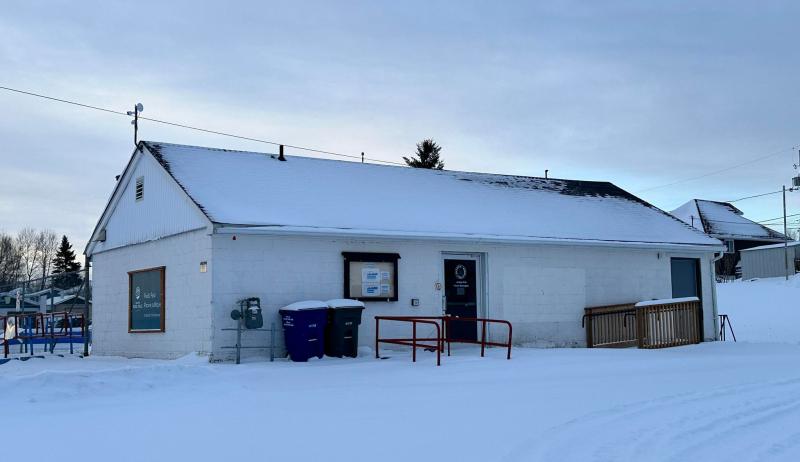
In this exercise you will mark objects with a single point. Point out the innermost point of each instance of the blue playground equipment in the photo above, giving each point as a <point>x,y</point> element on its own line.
<point>46,329</point>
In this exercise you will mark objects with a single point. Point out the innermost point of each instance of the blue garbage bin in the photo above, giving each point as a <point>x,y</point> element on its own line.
<point>304,329</point>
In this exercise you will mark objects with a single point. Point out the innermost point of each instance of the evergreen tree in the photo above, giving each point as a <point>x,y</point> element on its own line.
<point>427,156</point>
<point>64,262</point>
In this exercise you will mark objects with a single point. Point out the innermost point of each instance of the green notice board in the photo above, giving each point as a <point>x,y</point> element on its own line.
<point>146,300</point>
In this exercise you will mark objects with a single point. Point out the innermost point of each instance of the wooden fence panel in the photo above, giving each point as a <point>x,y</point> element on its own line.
<point>669,324</point>
<point>661,325</point>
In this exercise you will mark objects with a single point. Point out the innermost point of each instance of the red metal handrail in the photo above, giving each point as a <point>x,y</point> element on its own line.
<point>483,343</point>
<point>413,342</point>
<point>441,334</point>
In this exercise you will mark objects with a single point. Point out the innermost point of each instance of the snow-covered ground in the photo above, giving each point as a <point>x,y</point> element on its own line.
<point>762,310</point>
<point>714,401</point>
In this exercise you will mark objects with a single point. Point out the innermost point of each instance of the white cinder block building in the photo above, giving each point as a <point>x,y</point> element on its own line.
<point>189,230</point>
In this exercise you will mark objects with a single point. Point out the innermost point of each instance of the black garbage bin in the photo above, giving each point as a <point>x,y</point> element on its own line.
<point>341,333</point>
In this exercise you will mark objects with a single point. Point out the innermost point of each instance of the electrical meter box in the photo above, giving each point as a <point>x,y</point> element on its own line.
<point>251,310</point>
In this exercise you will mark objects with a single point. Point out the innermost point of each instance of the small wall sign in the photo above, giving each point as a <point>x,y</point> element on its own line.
<point>146,300</point>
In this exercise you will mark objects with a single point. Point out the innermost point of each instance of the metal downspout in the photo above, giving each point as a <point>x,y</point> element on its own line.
<point>714,292</point>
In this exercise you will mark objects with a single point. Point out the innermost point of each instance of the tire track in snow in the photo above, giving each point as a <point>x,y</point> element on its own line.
<point>677,427</point>
<point>704,426</point>
<point>780,447</point>
<point>742,422</point>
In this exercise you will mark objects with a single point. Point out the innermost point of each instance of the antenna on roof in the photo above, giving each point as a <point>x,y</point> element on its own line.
<point>135,122</point>
<point>280,154</point>
<point>362,157</point>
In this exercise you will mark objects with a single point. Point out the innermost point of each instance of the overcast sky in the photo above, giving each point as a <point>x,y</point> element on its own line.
<point>636,93</point>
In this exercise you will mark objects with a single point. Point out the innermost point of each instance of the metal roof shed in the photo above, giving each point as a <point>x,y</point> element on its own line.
<point>768,261</point>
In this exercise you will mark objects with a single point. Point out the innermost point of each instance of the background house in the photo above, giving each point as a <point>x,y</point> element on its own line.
<point>8,302</point>
<point>725,222</point>
<point>769,261</point>
<point>189,230</point>
<point>45,301</point>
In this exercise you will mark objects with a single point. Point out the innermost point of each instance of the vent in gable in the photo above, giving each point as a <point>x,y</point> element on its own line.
<point>140,188</point>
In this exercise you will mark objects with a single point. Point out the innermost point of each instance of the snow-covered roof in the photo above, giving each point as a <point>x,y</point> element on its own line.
<point>773,246</point>
<point>59,299</point>
<point>723,220</point>
<point>252,189</point>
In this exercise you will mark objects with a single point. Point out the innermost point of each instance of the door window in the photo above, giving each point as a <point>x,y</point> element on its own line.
<point>461,298</point>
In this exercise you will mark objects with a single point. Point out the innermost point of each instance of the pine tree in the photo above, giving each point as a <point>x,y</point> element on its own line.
<point>64,262</point>
<point>427,156</point>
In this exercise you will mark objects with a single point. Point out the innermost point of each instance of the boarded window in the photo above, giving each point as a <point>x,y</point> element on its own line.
<point>146,300</point>
<point>140,188</point>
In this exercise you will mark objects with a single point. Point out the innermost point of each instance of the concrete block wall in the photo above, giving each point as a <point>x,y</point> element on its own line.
<point>187,297</point>
<point>542,289</point>
<point>283,270</point>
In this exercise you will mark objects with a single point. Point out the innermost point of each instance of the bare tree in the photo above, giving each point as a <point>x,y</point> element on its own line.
<point>46,246</point>
<point>10,261</point>
<point>26,245</point>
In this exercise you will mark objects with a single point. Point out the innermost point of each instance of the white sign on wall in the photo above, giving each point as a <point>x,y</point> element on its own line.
<point>370,279</point>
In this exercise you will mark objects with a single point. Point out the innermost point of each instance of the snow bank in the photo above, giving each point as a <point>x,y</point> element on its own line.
<point>762,310</point>
<point>719,401</point>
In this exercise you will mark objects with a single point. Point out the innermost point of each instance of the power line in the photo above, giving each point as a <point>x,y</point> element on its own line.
<point>199,129</point>
<point>63,101</point>
<point>748,222</point>
<point>779,218</point>
<point>757,195</point>
<point>718,171</point>
<point>751,222</point>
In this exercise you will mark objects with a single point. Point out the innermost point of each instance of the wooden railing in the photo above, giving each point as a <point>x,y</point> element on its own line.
<point>656,324</point>
<point>612,326</point>
<point>665,325</point>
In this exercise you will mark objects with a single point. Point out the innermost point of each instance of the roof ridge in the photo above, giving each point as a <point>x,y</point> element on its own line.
<point>465,172</point>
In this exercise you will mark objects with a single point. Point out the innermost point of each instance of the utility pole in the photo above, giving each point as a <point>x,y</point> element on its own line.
<point>785,236</point>
<point>135,122</point>
<point>795,187</point>
<point>87,312</point>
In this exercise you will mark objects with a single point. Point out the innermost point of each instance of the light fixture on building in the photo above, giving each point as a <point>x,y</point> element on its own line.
<point>203,266</point>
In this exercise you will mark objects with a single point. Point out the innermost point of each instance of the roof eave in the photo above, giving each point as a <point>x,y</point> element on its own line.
<point>221,228</point>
